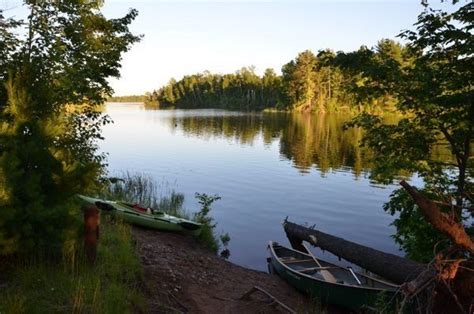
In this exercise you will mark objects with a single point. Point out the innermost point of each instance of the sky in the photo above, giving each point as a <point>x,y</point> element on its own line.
<point>186,37</point>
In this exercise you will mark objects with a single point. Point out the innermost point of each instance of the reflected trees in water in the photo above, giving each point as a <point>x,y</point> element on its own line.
<point>307,140</point>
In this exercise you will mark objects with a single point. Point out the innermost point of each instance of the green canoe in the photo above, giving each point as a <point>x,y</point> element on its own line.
<point>331,283</point>
<point>151,219</point>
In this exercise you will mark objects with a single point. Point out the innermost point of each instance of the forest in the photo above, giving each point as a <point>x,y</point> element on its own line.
<point>128,98</point>
<point>55,67</point>
<point>324,82</point>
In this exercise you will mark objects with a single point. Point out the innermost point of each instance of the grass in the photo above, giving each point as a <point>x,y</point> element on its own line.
<point>142,189</point>
<point>113,285</point>
<point>71,285</point>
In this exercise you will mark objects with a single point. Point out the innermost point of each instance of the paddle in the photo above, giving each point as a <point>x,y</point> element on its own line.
<point>326,274</point>
<point>354,275</point>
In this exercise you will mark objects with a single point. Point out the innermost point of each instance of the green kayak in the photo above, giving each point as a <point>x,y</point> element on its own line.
<point>331,283</point>
<point>145,217</point>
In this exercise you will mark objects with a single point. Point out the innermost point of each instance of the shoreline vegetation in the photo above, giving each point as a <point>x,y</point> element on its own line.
<point>69,284</point>
<point>115,284</point>
<point>324,82</point>
<point>129,98</point>
<point>139,188</point>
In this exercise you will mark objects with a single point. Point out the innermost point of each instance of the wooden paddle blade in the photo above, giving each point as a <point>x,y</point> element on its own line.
<point>325,273</point>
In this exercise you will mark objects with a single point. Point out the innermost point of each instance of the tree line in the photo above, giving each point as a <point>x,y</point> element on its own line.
<point>322,82</point>
<point>242,90</point>
<point>128,98</point>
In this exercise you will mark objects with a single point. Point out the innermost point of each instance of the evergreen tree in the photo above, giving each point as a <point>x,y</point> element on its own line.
<point>299,78</point>
<point>54,80</point>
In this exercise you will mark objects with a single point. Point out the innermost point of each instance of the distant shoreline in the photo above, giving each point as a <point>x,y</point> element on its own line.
<point>126,102</point>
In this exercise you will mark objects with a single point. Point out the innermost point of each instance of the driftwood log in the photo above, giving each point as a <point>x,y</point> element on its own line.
<point>274,301</point>
<point>389,266</point>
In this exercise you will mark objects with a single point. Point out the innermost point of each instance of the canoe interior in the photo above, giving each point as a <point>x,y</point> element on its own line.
<point>304,263</point>
<point>302,272</point>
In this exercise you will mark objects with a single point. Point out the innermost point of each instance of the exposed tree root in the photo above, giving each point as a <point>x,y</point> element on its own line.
<point>447,283</point>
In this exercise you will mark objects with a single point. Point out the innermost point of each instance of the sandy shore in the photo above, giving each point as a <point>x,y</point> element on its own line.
<point>181,276</point>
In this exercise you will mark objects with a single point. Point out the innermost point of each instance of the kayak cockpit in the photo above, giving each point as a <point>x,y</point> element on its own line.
<point>142,210</point>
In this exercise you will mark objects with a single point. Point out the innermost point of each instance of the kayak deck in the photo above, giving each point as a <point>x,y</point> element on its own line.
<point>155,220</point>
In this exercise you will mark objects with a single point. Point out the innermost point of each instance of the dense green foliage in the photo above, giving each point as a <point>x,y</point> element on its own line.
<point>130,98</point>
<point>53,70</point>
<point>314,83</point>
<point>243,90</point>
<point>207,235</point>
<point>72,286</point>
<point>324,82</point>
<point>435,92</point>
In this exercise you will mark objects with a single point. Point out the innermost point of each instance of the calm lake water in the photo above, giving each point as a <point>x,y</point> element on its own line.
<point>265,166</point>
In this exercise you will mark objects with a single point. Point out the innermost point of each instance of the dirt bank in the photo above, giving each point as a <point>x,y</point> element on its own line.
<point>181,275</point>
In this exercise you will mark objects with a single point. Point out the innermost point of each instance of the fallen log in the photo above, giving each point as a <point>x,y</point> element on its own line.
<point>443,222</point>
<point>389,266</point>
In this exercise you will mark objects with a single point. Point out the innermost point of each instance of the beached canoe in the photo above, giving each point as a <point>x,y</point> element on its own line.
<point>145,217</point>
<point>331,283</point>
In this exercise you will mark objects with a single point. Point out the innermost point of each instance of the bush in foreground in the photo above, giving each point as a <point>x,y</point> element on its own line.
<point>73,286</point>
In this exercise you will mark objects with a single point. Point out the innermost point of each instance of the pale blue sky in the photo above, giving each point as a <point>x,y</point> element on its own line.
<point>185,37</point>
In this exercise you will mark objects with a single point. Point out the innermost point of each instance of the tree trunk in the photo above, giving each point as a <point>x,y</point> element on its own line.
<point>91,232</point>
<point>389,266</point>
<point>441,221</point>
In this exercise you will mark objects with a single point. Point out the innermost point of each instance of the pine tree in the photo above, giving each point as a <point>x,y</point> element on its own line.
<point>49,118</point>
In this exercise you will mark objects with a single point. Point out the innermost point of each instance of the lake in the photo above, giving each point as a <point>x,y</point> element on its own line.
<point>265,166</point>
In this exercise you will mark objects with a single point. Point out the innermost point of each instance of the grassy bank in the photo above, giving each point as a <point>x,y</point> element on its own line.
<point>114,285</point>
<point>70,285</point>
<point>142,189</point>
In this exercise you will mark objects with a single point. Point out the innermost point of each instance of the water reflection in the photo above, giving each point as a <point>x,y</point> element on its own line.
<point>307,140</point>
<point>265,166</point>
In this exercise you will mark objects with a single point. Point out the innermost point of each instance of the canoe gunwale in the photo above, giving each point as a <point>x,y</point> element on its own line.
<point>297,273</point>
